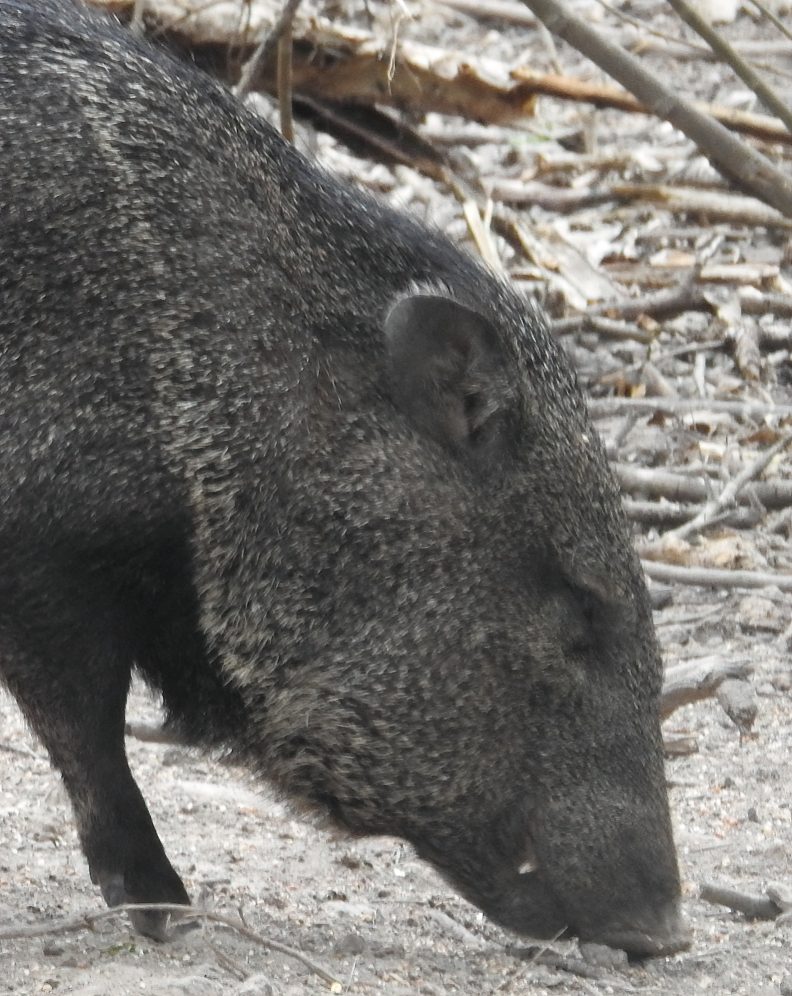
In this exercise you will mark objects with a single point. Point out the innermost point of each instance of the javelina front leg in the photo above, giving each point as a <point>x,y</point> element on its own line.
<point>79,715</point>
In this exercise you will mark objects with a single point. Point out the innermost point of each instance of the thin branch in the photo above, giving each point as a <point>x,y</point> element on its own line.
<point>265,50</point>
<point>565,87</point>
<point>692,681</point>
<point>658,483</point>
<point>602,407</point>
<point>662,304</point>
<point>728,54</point>
<point>666,513</point>
<point>753,906</point>
<point>773,18</point>
<point>710,577</point>
<point>88,920</point>
<point>728,495</point>
<point>152,733</point>
<point>731,157</point>
<point>285,82</point>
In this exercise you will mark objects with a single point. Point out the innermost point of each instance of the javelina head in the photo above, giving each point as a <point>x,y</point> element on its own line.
<point>481,674</point>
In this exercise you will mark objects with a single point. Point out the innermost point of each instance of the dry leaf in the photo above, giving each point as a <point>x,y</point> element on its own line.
<point>764,436</point>
<point>727,552</point>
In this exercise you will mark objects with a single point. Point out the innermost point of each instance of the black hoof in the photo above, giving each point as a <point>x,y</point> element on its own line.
<point>159,925</point>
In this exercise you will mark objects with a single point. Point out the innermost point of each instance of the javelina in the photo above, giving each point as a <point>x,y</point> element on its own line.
<point>326,484</point>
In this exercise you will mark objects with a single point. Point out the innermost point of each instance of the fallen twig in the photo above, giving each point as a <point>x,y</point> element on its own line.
<point>22,751</point>
<point>713,205</point>
<point>754,302</point>
<point>657,483</point>
<point>664,304</point>
<point>336,62</point>
<point>606,328</point>
<point>285,81</point>
<point>713,509</point>
<point>735,160</point>
<point>542,955</point>
<point>600,407</point>
<point>505,11</point>
<point>88,920</point>
<point>692,681</point>
<point>564,87</point>
<point>679,745</point>
<point>766,12</point>
<point>749,904</point>
<point>266,49</point>
<point>711,577</point>
<point>666,513</point>
<point>728,54</point>
<point>151,733</point>
<point>738,700</point>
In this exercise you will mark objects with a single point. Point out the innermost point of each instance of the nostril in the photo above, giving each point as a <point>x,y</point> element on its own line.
<point>667,934</point>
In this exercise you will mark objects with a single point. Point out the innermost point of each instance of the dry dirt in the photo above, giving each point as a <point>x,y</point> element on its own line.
<point>374,916</point>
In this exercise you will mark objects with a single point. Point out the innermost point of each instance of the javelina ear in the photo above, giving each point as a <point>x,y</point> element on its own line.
<point>445,368</point>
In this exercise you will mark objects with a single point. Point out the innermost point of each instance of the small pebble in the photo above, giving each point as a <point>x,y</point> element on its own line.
<point>255,985</point>
<point>602,956</point>
<point>782,682</point>
<point>350,944</point>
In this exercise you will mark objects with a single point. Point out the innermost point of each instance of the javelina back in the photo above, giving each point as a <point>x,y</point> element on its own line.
<point>326,483</point>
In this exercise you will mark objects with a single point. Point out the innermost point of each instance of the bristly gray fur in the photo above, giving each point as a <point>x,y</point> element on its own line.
<point>325,482</point>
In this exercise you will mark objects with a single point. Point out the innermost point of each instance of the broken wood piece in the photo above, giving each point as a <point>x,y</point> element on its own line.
<point>153,733</point>
<point>663,304</point>
<point>599,407</point>
<point>692,681</point>
<point>749,904</point>
<point>781,895</point>
<point>679,745</point>
<point>747,353</point>
<point>557,200</point>
<point>604,95</point>
<point>667,513</point>
<point>605,328</point>
<point>737,698</point>
<point>390,140</point>
<point>713,509</point>
<point>738,162</point>
<point>711,577</point>
<point>505,11</point>
<point>712,205</point>
<point>282,27</point>
<point>332,61</point>
<point>728,54</point>
<point>657,483</point>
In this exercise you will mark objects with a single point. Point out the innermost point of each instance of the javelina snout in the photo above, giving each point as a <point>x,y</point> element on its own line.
<point>553,816</point>
<point>329,486</point>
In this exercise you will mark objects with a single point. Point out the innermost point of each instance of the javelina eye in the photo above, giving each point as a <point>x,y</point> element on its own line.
<point>476,417</point>
<point>580,629</point>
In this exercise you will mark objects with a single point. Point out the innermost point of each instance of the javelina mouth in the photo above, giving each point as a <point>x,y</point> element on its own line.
<point>532,908</point>
<point>669,937</point>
